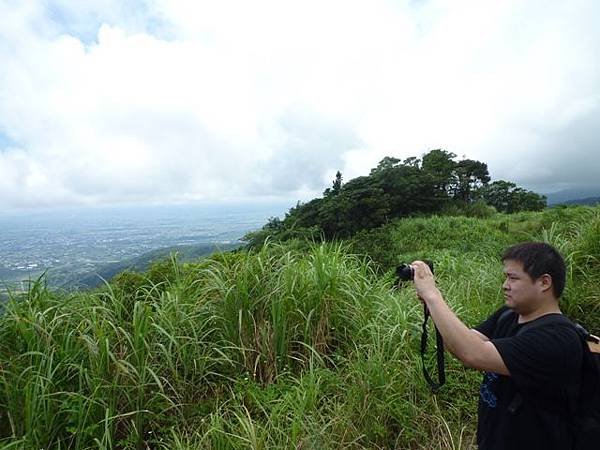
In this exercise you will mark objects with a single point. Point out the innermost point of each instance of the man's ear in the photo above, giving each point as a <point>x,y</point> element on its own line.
<point>545,282</point>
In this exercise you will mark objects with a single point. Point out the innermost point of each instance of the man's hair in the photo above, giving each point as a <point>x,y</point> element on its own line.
<point>539,258</point>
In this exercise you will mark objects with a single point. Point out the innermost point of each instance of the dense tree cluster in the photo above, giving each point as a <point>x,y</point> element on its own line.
<point>395,189</point>
<point>509,198</point>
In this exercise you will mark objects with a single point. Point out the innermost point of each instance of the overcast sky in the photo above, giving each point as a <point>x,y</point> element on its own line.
<point>106,101</point>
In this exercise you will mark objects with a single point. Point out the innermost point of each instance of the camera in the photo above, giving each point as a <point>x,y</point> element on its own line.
<point>404,272</point>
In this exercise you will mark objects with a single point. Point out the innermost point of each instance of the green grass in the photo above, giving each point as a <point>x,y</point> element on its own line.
<point>292,346</point>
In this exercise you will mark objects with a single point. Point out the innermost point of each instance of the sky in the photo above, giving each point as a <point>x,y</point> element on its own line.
<point>167,101</point>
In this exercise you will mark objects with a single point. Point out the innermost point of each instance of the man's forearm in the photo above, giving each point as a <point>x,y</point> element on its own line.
<point>466,345</point>
<point>458,338</point>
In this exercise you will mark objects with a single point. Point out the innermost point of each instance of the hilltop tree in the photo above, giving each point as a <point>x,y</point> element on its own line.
<point>386,163</point>
<point>337,183</point>
<point>469,175</point>
<point>360,204</point>
<point>336,186</point>
<point>405,187</point>
<point>439,165</point>
<point>509,198</point>
<point>412,161</point>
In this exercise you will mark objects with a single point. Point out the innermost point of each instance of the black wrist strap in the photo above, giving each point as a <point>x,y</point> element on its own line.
<point>440,355</point>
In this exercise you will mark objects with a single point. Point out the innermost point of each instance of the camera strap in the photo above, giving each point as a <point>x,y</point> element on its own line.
<point>440,355</point>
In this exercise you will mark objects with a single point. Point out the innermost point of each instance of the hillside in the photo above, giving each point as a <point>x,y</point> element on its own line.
<point>573,196</point>
<point>583,201</point>
<point>142,263</point>
<point>70,277</point>
<point>295,345</point>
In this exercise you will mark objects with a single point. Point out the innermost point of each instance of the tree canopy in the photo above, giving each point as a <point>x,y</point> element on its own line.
<point>395,189</point>
<point>509,198</point>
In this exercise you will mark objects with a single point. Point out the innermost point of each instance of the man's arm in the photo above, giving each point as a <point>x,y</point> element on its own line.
<point>467,345</point>
<point>481,336</point>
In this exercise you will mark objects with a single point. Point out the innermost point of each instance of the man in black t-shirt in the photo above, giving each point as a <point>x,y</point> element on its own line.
<point>531,360</point>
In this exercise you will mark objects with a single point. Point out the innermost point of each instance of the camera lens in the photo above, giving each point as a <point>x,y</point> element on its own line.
<point>405,272</point>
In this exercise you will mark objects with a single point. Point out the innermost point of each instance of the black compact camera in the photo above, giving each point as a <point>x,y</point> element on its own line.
<point>404,272</point>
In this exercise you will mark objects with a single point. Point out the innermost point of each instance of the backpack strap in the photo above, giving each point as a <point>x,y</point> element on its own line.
<point>546,320</point>
<point>504,316</point>
<point>593,342</point>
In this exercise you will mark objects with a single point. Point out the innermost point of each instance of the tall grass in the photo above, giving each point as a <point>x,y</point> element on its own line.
<point>279,348</point>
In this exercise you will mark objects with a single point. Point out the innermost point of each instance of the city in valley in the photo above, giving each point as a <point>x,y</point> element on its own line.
<point>70,244</point>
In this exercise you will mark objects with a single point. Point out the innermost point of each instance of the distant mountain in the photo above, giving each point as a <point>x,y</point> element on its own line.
<point>583,201</point>
<point>140,263</point>
<point>585,196</point>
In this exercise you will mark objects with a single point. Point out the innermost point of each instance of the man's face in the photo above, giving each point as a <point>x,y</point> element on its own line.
<point>521,292</point>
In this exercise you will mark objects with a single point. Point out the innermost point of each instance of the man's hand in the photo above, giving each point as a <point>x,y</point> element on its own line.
<point>424,282</point>
<point>471,347</point>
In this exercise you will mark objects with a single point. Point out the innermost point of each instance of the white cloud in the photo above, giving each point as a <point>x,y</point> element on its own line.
<point>165,100</point>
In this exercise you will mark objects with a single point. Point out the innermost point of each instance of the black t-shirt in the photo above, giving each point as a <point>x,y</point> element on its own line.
<point>545,369</point>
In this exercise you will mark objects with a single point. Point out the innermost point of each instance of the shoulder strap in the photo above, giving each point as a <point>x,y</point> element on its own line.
<point>592,341</point>
<point>504,316</point>
<point>594,344</point>
<point>550,319</point>
<point>439,355</point>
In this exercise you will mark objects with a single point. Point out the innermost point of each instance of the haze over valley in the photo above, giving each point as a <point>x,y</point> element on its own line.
<point>69,243</point>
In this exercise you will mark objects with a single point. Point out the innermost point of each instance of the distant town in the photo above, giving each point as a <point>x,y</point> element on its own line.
<point>67,245</point>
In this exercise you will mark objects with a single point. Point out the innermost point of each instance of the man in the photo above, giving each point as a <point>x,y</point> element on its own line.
<point>531,379</point>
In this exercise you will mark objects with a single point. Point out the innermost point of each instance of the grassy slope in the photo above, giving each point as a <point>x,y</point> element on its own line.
<point>277,349</point>
<point>465,249</point>
<point>142,263</point>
